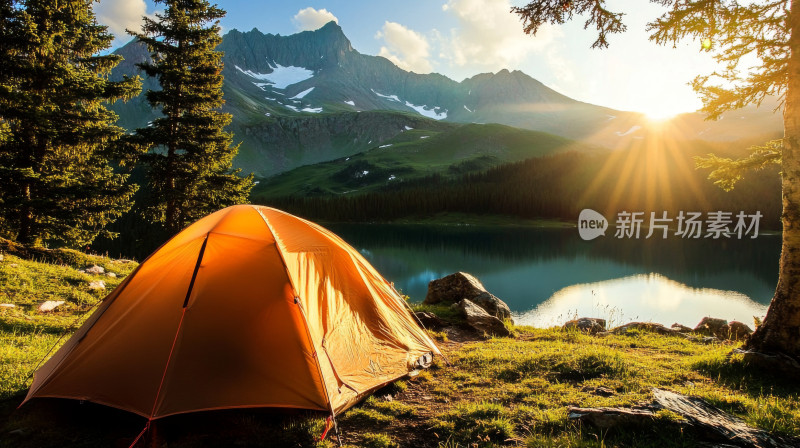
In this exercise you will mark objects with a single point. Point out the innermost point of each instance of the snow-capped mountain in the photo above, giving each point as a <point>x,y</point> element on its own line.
<point>311,97</point>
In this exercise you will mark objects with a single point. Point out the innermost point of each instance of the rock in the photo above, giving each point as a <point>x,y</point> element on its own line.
<point>600,390</point>
<point>605,418</point>
<point>480,320</point>
<point>738,331</point>
<point>111,275</point>
<point>707,422</point>
<point>95,270</point>
<point>711,326</point>
<point>455,287</point>
<point>775,363</point>
<point>7,305</point>
<point>681,328</point>
<point>589,325</point>
<point>645,326</point>
<point>50,305</point>
<point>430,320</point>
<point>2,257</point>
<point>98,285</point>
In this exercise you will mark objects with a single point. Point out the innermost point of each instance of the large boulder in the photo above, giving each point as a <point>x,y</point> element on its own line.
<point>711,326</point>
<point>588,325</point>
<point>480,320</point>
<point>458,286</point>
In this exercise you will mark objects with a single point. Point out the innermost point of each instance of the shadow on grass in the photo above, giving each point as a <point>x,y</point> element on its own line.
<point>737,373</point>
<point>44,423</point>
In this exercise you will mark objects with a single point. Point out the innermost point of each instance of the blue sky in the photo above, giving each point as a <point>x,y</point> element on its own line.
<point>461,38</point>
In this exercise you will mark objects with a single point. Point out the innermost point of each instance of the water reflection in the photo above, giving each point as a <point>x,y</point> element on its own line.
<point>653,297</point>
<point>546,273</point>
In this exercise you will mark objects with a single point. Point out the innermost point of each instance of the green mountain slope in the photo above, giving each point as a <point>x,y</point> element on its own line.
<point>415,154</point>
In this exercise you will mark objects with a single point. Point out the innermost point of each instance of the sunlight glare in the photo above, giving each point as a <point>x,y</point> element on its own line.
<point>661,113</point>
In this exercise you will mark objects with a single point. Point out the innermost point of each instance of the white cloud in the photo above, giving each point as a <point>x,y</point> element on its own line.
<point>119,15</point>
<point>489,37</point>
<point>310,19</point>
<point>406,48</point>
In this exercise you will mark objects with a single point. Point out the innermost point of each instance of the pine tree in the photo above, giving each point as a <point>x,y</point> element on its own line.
<point>190,157</point>
<point>56,136</point>
<point>770,31</point>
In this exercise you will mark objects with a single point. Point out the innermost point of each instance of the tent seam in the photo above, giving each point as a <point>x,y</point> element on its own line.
<point>302,310</point>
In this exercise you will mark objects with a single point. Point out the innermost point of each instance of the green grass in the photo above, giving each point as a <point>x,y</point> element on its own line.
<point>501,392</point>
<point>27,335</point>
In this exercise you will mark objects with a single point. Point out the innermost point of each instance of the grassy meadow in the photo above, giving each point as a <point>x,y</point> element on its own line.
<point>500,392</point>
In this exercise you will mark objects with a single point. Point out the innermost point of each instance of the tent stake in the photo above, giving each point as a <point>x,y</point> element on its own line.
<point>336,430</point>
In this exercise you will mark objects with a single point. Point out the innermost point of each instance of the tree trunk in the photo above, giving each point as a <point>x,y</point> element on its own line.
<point>25,235</point>
<point>780,331</point>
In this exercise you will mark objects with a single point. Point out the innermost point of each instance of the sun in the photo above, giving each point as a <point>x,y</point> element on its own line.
<point>660,115</point>
<point>663,111</point>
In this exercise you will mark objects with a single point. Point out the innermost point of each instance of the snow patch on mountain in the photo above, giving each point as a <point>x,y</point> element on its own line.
<point>408,128</point>
<point>388,97</point>
<point>467,108</point>
<point>424,110</point>
<point>303,93</point>
<point>350,102</point>
<point>313,110</point>
<point>428,112</point>
<point>385,146</point>
<point>281,77</point>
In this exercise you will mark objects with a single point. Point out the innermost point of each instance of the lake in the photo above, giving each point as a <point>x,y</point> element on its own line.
<point>547,276</point>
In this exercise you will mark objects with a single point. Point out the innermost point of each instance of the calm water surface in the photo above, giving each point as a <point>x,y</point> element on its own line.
<point>548,276</point>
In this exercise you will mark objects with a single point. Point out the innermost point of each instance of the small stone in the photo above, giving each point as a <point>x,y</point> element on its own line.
<point>681,328</point>
<point>95,270</point>
<point>738,331</point>
<point>97,285</point>
<point>13,265</point>
<point>600,390</point>
<point>711,326</point>
<point>588,325</point>
<point>645,326</point>
<point>429,320</point>
<point>7,305</point>
<point>111,275</point>
<point>1,257</point>
<point>388,398</point>
<point>50,305</point>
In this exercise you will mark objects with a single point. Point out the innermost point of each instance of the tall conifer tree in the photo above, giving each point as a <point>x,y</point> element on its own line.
<point>190,158</point>
<point>56,136</point>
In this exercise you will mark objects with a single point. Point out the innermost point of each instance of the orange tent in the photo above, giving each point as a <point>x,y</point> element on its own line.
<point>247,307</point>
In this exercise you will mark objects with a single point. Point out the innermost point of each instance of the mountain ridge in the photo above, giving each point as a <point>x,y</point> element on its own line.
<point>275,85</point>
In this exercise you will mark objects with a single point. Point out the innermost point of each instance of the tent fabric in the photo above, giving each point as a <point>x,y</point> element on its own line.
<point>248,307</point>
